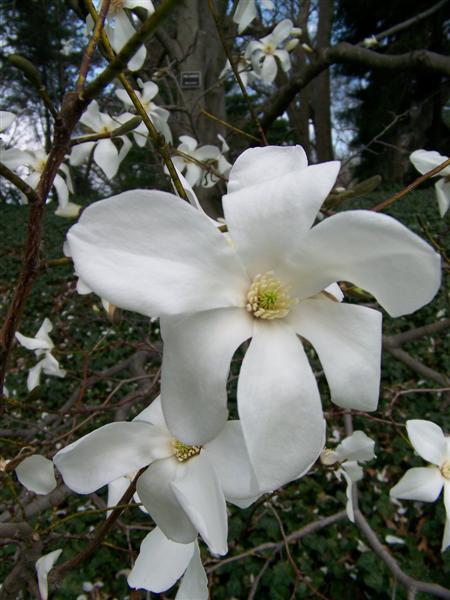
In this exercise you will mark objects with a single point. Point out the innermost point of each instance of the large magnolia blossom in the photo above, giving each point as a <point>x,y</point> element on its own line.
<point>209,154</point>
<point>425,483</point>
<point>265,51</point>
<point>161,562</point>
<point>42,346</point>
<point>271,278</point>
<point>159,116</point>
<point>426,160</point>
<point>106,154</point>
<point>184,488</point>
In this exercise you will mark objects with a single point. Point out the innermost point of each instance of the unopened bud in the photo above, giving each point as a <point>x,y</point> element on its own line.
<point>291,44</point>
<point>329,457</point>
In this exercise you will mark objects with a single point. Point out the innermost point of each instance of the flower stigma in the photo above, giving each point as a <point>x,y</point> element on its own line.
<point>268,298</point>
<point>445,470</point>
<point>183,452</point>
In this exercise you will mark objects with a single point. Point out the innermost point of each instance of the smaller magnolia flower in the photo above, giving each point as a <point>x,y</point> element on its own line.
<point>36,473</point>
<point>159,116</point>
<point>426,160</point>
<point>42,345</point>
<point>246,11</point>
<point>358,447</point>
<point>161,562</point>
<point>70,211</point>
<point>106,154</point>
<point>245,70</point>
<point>208,154</point>
<point>43,567</point>
<point>184,487</point>
<point>425,483</point>
<point>265,52</point>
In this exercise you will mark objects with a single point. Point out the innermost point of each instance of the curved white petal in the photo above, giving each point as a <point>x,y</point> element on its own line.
<point>108,453</point>
<point>348,492</point>
<point>374,252</point>
<point>428,440</point>
<point>228,454</point>
<point>347,339</point>
<point>426,160</point>
<point>193,173</point>
<point>198,491</point>
<point>279,406</point>
<point>357,446</point>
<point>80,153</point>
<point>188,143</point>
<point>194,584</point>
<point>116,489</point>
<point>107,157</point>
<point>156,493</point>
<point>267,220</point>
<point>119,35</point>
<point>420,483</point>
<point>43,331</point>
<point>34,375</point>
<point>268,69</point>
<point>281,32</point>
<point>62,191</point>
<point>160,563</point>
<point>258,165</point>
<point>92,116</point>
<point>6,119</point>
<point>37,474</point>
<point>13,157</point>
<point>284,59</point>
<point>150,252</point>
<point>33,343</point>
<point>51,366</point>
<point>153,414</point>
<point>244,14</point>
<point>197,353</point>
<point>442,188</point>
<point>44,565</point>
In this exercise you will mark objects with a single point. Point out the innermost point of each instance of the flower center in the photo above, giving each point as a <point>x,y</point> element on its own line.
<point>445,470</point>
<point>269,48</point>
<point>183,452</point>
<point>268,298</point>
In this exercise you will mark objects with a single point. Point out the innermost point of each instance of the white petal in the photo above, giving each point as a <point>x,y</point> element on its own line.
<point>108,453</point>
<point>446,537</point>
<point>32,343</point>
<point>442,188</point>
<point>13,157</point>
<point>194,585</point>
<point>420,483</point>
<point>92,117</point>
<point>36,473</point>
<point>269,69</point>
<point>125,148</point>
<point>80,153</point>
<point>116,489</point>
<point>244,14</point>
<point>153,414</point>
<point>428,440</point>
<point>284,58</point>
<point>119,35</point>
<point>374,252</point>
<point>34,375</point>
<point>70,211</point>
<point>348,492</point>
<point>281,32</point>
<point>258,165</point>
<point>279,406</point>
<point>193,173</point>
<point>43,332</point>
<point>267,220</point>
<point>160,563</point>
<point>357,446</point>
<point>353,470</point>
<point>151,252</point>
<point>156,493</point>
<point>347,339</point>
<point>228,454</point>
<point>198,491</point>
<point>62,190</point>
<point>195,370</point>
<point>107,157</point>
<point>43,566</point>
<point>51,366</point>
<point>188,143</point>
<point>426,160</point>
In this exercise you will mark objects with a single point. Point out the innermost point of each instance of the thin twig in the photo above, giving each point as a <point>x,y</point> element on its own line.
<point>90,48</point>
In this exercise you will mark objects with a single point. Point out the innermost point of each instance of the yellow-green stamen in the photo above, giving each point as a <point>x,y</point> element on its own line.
<point>268,298</point>
<point>445,470</point>
<point>183,452</point>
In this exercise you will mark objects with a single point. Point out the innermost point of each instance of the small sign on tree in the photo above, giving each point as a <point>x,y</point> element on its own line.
<point>191,80</point>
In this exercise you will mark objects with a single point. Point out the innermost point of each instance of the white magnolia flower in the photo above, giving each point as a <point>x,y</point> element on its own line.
<point>245,70</point>
<point>264,52</point>
<point>106,154</point>
<point>150,252</point>
<point>35,161</point>
<point>425,483</point>
<point>6,119</point>
<point>43,567</point>
<point>184,488</point>
<point>36,473</point>
<point>42,345</point>
<point>371,42</point>
<point>355,448</point>
<point>208,154</point>
<point>426,160</point>
<point>161,562</point>
<point>246,11</point>
<point>159,116</point>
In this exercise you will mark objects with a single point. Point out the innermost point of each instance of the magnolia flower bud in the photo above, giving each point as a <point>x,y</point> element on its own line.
<point>329,457</point>
<point>296,31</point>
<point>291,44</point>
